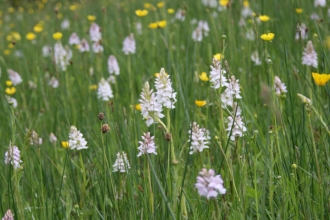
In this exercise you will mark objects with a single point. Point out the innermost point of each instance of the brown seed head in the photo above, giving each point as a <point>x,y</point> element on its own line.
<point>105,128</point>
<point>101,116</point>
<point>168,136</point>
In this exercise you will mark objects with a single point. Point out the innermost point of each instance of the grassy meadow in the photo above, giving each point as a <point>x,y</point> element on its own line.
<point>269,144</point>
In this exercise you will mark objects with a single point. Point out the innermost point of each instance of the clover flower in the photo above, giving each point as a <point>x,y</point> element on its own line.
<point>280,88</point>
<point>8,216</point>
<point>151,109</point>
<point>76,139</point>
<point>62,56</point>
<point>104,91</point>
<point>95,32</point>
<point>74,39</point>
<point>147,146</point>
<point>121,164</point>
<point>208,184</point>
<point>309,55</point>
<point>199,138</point>
<point>129,45</point>
<point>113,66</point>
<point>84,46</point>
<point>236,127</point>
<point>13,156</point>
<point>232,91</point>
<point>217,75</point>
<point>14,77</point>
<point>97,47</point>
<point>165,94</point>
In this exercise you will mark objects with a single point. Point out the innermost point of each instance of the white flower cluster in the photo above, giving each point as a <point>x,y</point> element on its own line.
<point>210,3</point>
<point>255,58</point>
<point>301,32</point>
<point>62,56</point>
<point>201,30</point>
<point>34,138</point>
<point>76,139</point>
<point>74,39</point>
<point>14,77</point>
<point>232,91</point>
<point>129,45</point>
<point>147,146</point>
<point>217,75</point>
<point>95,32</point>
<point>8,216</point>
<point>121,164</point>
<point>208,184</point>
<point>321,3</point>
<point>280,88</point>
<point>13,156</point>
<point>165,94</point>
<point>104,91</point>
<point>309,55</point>
<point>113,66</point>
<point>11,101</point>
<point>199,138</point>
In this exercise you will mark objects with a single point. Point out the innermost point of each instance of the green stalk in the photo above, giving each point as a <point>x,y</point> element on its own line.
<point>84,179</point>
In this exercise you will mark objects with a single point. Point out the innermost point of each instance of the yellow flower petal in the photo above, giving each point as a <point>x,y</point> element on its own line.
<point>267,37</point>
<point>153,25</point>
<point>138,107</point>
<point>264,18</point>
<point>223,2</point>
<point>170,10</point>
<point>141,13</point>
<point>65,144</point>
<point>10,91</point>
<point>299,10</point>
<point>218,56</point>
<point>57,36</point>
<point>162,23</point>
<point>203,76</point>
<point>160,4</point>
<point>9,83</point>
<point>200,103</point>
<point>92,87</point>
<point>320,79</point>
<point>91,18</point>
<point>30,36</point>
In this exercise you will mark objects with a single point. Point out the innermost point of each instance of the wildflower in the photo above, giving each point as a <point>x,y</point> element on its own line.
<point>294,166</point>
<point>208,184</point>
<point>138,107</point>
<point>218,56</point>
<point>74,39</point>
<point>10,91</point>
<point>138,27</point>
<point>147,146</point>
<point>147,5</point>
<point>210,3</point>
<point>57,36</point>
<point>52,138</point>
<point>14,77</point>
<point>93,87</point>
<point>8,215</point>
<point>160,4</point>
<point>105,128</point>
<point>304,99</point>
<point>13,156</point>
<point>73,7</point>
<point>309,55</point>
<point>6,52</point>
<point>34,138</point>
<point>264,18</point>
<point>204,26</point>
<point>121,164</point>
<point>224,3</point>
<point>76,139</point>
<point>199,138</point>
<point>280,88</point>
<point>315,17</point>
<point>141,13</point>
<point>217,75</point>
<point>37,28</point>
<point>113,66</point>
<point>95,32</point>
<point>129,45</point>
<point>170,10</point>
<point>65,24</point>
<point>9,83</point>
<point>255,58</point>
<point>267,37</point>
<point>91,18</point>
<point>232,91</point>
<point>203,76</point>
<point>197,35</point>
<point>200,103</point>
<point>320,3</point>
<point>299,10</point>
<point>150,108</point>
<point>104,91</point>
<point>97,47</point>
<point>236,127</point>
<point>180,15</point>
<point>165,94</point>
<point>321,79</point>
<point>65,144</point>
<point>46,50</point>
<point>53,82</point>
<point>158,24</point>
<point>32,85</point>
<point>11,101</point>
<point>84,46</point>
<point>31,36</point>
<point>246,10</point>
<point>301,32</point>
<point>62,56</point>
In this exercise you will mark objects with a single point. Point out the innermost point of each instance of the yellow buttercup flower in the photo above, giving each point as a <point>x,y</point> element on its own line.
<point>147,5</point>
<point>200,103</point>
<point>267,37</point>
<point>141,13</point>
<point>203,76</point>
<point>16,36</point>
<point>160,4</point>
<point>321,79</point>
<point>91,18</point>
<point>138,107</point>
<point>246,3</point>
<point>264,18</point>
<point>93,87</point>
<point>31,36</point>
<point>59,16</point>
<point>57,36</point>
<point>158,24</point>
<point>218,56</point>
<point>153,25</point>
<point>223,2</point>
<point>170,10</point>
<point>9,38</point>
<point>37,28</point>
<point>9,83</point>
<point>10,46</point>
<point>10,91</point>
<point>65,144</point>
<point>299,10</point>
<point>11,10</point>
<point>6,52</point>
<point>162,23</point>
<point>73,7</point>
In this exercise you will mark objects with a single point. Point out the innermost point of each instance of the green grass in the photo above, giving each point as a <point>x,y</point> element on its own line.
<point>257,169</point>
